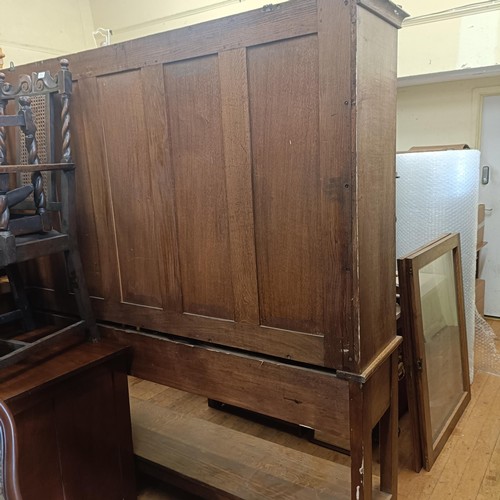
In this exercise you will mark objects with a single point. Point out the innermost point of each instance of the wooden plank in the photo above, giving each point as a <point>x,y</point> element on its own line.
<point>20,353</point>
<point>86,226</point>
<point>294,394</point>
<point>287,20</point>
<point>360,401</point>
<point>490,486</point>
<point>41,369</point>
<point>388,432</point>
<point>231,464</point>
<point>194,107</point>
<point>98,473</point>
<point>283,90</point>
<point>452,462</point>
<point>162,187</point>
<point>32,246</point>
<point>376,181</point>
<point>272,341</point>
<point>480,457</point>
<point>46,167</point>
<point>38,421</point>
<point>91,158</point>
<point>137,242</point>
<point>238,163</point>
<point>337,188</point>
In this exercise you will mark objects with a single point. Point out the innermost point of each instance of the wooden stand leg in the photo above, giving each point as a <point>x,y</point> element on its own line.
<point>19,294</point>
<point>389,437</point>
<point>361,443</point>
<point>79,287</point>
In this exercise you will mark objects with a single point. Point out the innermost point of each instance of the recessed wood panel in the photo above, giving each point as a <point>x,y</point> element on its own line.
<point>284,111</point>
<point>195,121</point>
<point>124,125</point>
<point>91,156</point>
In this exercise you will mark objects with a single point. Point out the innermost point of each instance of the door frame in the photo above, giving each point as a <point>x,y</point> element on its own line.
<point>478,96</point>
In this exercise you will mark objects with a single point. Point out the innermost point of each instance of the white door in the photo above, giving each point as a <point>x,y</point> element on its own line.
<point>489,194</point>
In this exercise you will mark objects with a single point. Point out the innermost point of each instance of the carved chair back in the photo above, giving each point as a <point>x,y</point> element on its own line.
<point>38,106</point>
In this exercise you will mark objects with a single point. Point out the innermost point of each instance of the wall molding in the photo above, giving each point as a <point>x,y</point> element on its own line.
<point>444,15</point>
<point>31,47</point>
<point>478,96</point>
<point>449,76</point>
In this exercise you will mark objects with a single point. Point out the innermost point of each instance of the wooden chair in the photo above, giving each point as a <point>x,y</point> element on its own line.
<point>37,218</point>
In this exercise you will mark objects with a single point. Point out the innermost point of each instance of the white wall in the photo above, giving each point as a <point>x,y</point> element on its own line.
<point>37,30</point>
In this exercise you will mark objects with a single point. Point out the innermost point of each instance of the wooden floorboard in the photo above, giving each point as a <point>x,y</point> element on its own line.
<point>468,467</point>
<point>229,463</point>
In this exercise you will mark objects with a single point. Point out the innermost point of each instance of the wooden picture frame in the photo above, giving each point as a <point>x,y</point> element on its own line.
<point>436,343</point>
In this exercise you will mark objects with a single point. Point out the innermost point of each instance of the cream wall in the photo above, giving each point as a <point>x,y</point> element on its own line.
<point>37,30</point>
<point>441,113</point>
<point>135,19</point>
<point>448,35</point>
<point>433,40</point>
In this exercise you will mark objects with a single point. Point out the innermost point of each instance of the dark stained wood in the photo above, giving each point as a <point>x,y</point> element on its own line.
<point>273,341</point>
<point>46,225</point>
<point>137,244</point>
<point>410,360</point>
<point>261,214</point>
<point>389,431</point>
<point>87,226</point>
<point>283,90</point>
<point>96,439</point>
<point>194,103</point>
<point>46,167</point>
<point>10,456</point>
<point>38,421</point>
<point>70,407</point>
<point>337,184</point>
<point>163,189</point>
<point>238,164</point>
<point>376,153</point>
<point>431,444</point>
<point>264,215</point>
<point>297,395</point>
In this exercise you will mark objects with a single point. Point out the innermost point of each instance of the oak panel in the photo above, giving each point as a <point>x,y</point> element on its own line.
<point>137,245</point>
<point>338,183</point>
<point>86,229</point>
<point>291,393</point>
<point>238,163</point>
<point>283,90</point>
<point>159,161</point>
<point>377,47</point>
<point>92,157</point>
<point>194,109</point>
